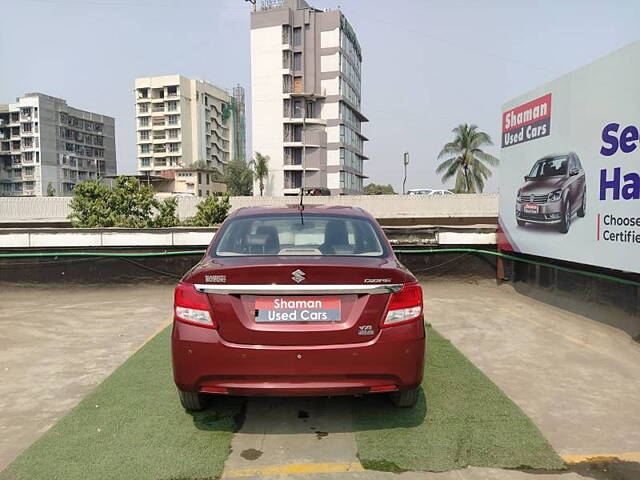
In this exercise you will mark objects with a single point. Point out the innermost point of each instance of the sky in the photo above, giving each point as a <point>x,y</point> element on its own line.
<point>428,65</point>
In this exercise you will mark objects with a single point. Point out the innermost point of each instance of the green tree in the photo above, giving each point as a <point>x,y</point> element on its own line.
<point>129,204</point>
<point>375,189</point>
<point>166,213</point>
<point>239,178</point>
<point>51,191</point>
<point>260,170</point>
<point>90,205</point>
<point>465,159</point>
<point>132,204</point>
<point>212,210</point>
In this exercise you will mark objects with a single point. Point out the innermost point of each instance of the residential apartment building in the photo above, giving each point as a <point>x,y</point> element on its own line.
<point>187,124</point>
<point>46,146</point>
<point>306,102</point>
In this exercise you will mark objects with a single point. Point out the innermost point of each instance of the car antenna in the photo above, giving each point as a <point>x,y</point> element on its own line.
<point>301,206</point>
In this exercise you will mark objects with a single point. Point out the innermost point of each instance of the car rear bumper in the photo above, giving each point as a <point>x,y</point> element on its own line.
<point>203,362</point>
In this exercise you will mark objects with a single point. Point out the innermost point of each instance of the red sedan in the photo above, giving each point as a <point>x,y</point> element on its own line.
<point>289,302</point>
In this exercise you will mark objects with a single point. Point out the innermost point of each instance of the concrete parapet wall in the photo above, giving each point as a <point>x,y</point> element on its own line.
<point>388,209</point>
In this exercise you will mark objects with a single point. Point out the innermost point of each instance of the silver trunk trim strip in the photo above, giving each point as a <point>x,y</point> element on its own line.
<point>299,289</point>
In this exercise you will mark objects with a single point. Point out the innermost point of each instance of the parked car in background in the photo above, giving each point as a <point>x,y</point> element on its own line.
<point>290,302</point>
<point>554,190</point>
<point>428,191</point>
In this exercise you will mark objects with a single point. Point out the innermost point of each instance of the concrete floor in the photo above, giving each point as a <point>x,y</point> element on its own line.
<point>58,343</point>
<point>577,379</point>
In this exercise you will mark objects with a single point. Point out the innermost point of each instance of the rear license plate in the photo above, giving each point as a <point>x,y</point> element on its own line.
<point>531,208</point>
<point>297,309</point>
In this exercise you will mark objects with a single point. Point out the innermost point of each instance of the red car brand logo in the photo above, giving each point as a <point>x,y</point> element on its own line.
<point>527,122</point>
<point>298,276</point>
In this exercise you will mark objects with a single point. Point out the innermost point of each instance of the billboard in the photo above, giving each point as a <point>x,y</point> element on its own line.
<point>570,166</point>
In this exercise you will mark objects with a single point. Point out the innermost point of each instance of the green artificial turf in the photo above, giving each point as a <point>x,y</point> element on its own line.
<point>463,420</point>
<point>133,427</point>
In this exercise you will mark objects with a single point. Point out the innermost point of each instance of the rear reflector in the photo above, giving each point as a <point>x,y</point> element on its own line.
<point>404,306</point>
<point>192,307</point>
<point>214,390</point>
<point>383,388</point>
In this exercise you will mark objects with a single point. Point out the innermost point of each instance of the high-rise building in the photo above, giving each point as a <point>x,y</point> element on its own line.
<point>187,124</point>
<point>305,89</point>
<point>46,146</point>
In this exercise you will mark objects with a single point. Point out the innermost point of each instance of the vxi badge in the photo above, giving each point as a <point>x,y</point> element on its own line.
<point>527,122</point>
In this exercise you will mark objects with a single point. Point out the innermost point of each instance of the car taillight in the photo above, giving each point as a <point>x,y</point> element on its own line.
<point>404,306</point>
<point>191,306</point>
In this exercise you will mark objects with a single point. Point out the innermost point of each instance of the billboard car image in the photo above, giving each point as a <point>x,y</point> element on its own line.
<point>553,192</point>
<point>570,163</point>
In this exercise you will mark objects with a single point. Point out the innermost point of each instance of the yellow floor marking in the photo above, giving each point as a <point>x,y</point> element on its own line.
<point>294,469</point>
<point>602,457</point>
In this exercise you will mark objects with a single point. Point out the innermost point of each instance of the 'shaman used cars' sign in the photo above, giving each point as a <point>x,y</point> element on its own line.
<point>573,192</point>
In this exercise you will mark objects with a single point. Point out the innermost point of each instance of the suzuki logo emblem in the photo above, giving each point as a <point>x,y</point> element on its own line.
<point>298,276</point>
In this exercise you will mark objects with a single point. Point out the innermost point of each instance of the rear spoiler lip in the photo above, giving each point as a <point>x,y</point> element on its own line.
<point>267,289</point>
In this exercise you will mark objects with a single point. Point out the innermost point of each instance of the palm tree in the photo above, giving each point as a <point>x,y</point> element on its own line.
<point>466,160</point>
<point>260,166</point>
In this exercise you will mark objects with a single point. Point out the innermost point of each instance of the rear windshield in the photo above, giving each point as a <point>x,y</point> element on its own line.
<point>294,234</point>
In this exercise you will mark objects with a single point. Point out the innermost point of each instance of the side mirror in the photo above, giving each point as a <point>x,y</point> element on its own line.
<point>574,171</point>
<point>526,178</point>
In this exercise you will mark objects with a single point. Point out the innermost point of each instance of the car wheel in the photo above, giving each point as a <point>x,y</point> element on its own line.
<point>192,401</point>
<point>565,223</point>
<point>582,211</point>
<point>521,223</point>
<point>407,398</point>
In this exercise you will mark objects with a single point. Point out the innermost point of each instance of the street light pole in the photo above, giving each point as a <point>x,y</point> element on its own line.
<point>406,162</point>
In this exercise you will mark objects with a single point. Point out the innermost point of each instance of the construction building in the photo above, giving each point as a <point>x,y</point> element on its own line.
<point>306,105</point>
<point>187,129</point>
<point>47,147</point>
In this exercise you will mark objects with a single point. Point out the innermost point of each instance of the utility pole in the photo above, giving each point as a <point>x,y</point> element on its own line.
<point>406,162</point>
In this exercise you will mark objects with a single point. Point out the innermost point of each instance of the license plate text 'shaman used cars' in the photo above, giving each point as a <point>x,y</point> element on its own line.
<point>298,309</point>
<point>298,302</point>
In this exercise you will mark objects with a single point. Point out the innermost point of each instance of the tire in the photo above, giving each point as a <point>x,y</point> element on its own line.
<point>192,401</point>
<point>582,211</point>
<point>407,398</point>
<point>565,223</point>
<point>521,223</point>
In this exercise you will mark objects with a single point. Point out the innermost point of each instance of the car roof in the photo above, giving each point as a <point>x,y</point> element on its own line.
<point>554,155</point>
<point>308,209</point>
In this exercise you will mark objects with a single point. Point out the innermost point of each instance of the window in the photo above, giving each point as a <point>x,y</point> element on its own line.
<point>144,148</point>
<point>297,61</point>
<point>172,119</point>
<point>173,133</point>
<point>144,135</point>
<point>286,34</point>
<point>144,121</point>
<point>143,108</point>
<point>172,90</point>
<point>286,59</point>
<point>297,36</point>
<point>297,108</point>
<point>288,235</point>
<point>297,133</point>
<point>174,147</point>
<point>310,109</point>
<point>145,162</point>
